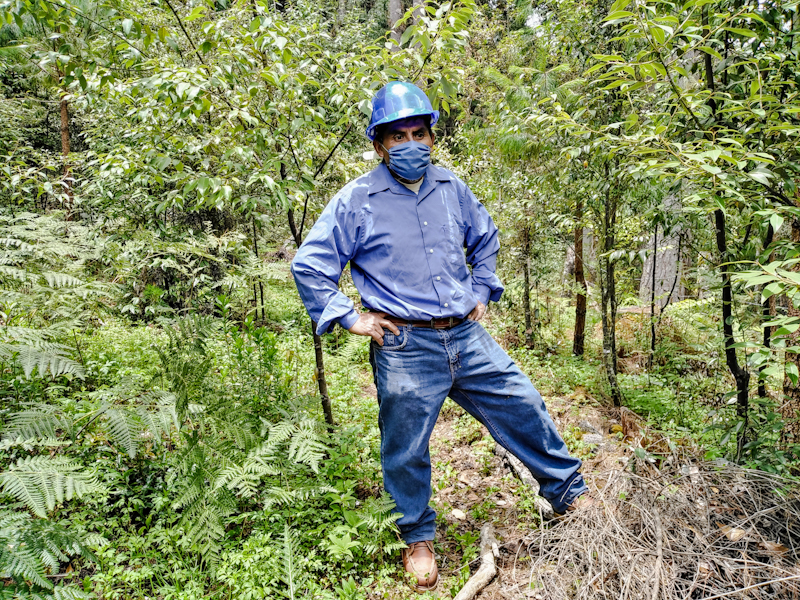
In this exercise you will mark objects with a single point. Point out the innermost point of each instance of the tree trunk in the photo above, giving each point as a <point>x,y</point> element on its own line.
<point>767,311</point>
<point>319,358</point>
<point>526,293</point>
<point>653,302</point>
<point>260,284</point>
<point>393,15</point>
<point>65,150</point>
<point>791,404</point>
<point>341,13</point>
<point>666,274</point>
<point>608,293</point>
<point>579,335</point>
<point>740,375</point>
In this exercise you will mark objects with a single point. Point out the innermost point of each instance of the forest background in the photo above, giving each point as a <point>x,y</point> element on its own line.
<point>170,426</point>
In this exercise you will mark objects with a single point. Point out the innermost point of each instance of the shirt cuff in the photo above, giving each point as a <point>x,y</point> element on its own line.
<point>482,292</point>
<point>349,320</point>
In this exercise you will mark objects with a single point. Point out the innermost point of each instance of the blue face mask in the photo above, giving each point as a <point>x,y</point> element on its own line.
<point>409,160</point>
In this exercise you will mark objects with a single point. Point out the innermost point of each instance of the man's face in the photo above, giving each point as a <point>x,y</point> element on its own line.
<point>400,132</point>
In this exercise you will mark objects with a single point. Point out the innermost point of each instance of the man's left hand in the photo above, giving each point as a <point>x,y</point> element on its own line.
<point>477,312</point>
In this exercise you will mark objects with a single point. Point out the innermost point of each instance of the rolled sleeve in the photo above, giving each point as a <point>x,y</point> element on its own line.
<point>482,244</point>
<point>318,265</point>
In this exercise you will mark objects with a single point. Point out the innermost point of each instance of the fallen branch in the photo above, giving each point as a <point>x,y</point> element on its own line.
<point>487,570</point>
<point>523,474</point>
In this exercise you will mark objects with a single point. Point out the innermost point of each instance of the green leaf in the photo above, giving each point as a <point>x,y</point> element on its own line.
<point>776,221</point>
<point>619,14</point>
<point>743,32</point>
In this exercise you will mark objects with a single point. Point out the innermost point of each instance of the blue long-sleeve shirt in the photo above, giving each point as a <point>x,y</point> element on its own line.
<point>406,250</point>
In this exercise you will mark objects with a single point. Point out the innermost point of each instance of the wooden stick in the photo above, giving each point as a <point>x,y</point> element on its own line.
<point>487,570</point>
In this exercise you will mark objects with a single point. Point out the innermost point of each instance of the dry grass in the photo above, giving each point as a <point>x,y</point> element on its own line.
<point>694,530</point>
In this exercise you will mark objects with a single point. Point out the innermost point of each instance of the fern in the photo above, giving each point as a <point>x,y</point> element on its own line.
<point>41,481</point>
<point>31,548</point>
<point>61,280</point>
<point>124,427</point>
<point>291,574</point>
<point>51,361</point>
<point>305,446</point>
<point>38,420</point>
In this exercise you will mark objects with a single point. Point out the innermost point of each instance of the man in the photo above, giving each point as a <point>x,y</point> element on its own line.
<point>403,227</point>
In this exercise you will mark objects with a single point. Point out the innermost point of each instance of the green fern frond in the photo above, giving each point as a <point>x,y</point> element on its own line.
<point>291,574</point>
<point>305,446</point>
<point>124,428</point>
<point>68,592</point>
<point>42,481</point>
<point>38,420</point>
<point>22,562</point>
<point>29,548</point>
<point>62,280</point>
<point>51,360</point>
<point>276,496</point>
<point>15,273</point>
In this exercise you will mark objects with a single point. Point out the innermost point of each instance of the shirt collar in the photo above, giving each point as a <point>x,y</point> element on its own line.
<point>381,179</point>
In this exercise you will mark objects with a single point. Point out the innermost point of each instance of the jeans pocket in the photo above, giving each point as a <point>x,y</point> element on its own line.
<point>392,342</point>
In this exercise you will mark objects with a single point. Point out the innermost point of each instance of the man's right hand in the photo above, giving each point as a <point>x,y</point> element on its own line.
<point>373,324</point>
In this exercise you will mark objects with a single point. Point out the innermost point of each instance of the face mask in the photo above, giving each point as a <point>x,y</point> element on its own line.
<point>409,160</point>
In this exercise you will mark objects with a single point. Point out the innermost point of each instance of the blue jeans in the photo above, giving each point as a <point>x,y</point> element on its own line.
<point>414,373</point>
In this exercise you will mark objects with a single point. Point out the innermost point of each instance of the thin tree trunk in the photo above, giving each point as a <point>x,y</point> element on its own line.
<point>767,311</point>
<point>65,150</point>
<point>322,382</point>
<point>526,293</point>
<point>740,375</point>
<point>653,302</point>
<point>260,284</point>
<point>579,335</point>
<point>319,358</point>
<point>609,294</point>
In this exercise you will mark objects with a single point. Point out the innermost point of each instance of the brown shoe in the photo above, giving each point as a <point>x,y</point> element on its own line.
<point>420,562</point>
<point>582,501</point>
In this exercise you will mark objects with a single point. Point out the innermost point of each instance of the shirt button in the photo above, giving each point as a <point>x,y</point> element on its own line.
<point>424,222</point>
<point>446,305</point>
<point>438,278</point>
<point>431,250</point>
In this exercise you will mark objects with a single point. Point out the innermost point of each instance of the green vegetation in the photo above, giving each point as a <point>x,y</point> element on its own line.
<point>161,434</point>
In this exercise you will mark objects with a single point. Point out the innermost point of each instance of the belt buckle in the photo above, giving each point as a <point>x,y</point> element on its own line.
<point>451,322</point>
<point>433,323</point>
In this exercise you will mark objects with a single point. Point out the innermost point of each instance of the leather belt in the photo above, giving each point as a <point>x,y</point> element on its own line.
<point>445,323</point>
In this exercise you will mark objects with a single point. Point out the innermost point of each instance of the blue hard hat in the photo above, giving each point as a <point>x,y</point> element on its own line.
<point>399,100</point>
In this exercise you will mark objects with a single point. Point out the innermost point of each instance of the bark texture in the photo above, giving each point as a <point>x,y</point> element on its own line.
<point>662,274</point>
<point>790,410</point>
<point>394,13</point>
<point>526,293</point>
<point>65,150</point>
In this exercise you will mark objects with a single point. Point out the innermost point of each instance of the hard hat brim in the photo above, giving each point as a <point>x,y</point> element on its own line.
<point>406,113</point>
